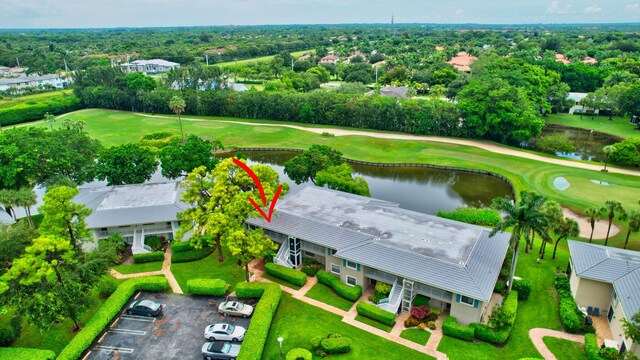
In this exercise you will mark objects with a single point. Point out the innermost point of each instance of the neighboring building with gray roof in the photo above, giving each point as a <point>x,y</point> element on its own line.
<point>606,281</point>
<point>364,240</point>
<point>134,211</point>
<point>153,66</point>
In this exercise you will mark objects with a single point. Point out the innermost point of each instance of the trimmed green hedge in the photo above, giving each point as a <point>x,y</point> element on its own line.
<point>451,327</point>
<point>256,337</point>
<point>181,246</point>
<point>293,276</point>
<point>373,312</point>
<point>148,257</point>
<point>591,347</point>
<point>351,293</point>
<point>472,215</point>
<point>213,287</point>
<point>570,317</point>
<point>24,112</point>
<point>26,354</point>
<point>485,333</point>
<point>299,354</point>
<point>191,255</point>
<point>523,287</point>
<point>107,312</point>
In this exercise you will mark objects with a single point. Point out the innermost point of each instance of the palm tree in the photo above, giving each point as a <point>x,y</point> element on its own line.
<point>178,105</point>
<point>522,217</point>
<point>594,214</point>
<point>607,150</point>
<point>566,228</point>
<point>26,198</point>
<point>613,206</point>
<point>553,212</point>
<point>634,224</point>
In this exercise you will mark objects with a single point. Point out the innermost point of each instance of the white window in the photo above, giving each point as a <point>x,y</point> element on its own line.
<point>352,265</point>
<point>335,268</point>
<point>309,254</point>
<point>351,281</point>
<point>466,300</point>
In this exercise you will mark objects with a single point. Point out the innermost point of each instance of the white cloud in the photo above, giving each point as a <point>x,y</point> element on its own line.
<point>557,9</point>
<point>633,7</point>
<point>592,9</point>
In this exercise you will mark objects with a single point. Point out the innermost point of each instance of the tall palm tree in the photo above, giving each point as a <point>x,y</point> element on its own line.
<point>593,214</point>
<point>553,212</point>
<point>634,224</point>
<point>177,105</point>
<point>607,150</point>
<point>612,207</point>
<point>26,198</point>
<point>566,228</point>
<point>521,216</point>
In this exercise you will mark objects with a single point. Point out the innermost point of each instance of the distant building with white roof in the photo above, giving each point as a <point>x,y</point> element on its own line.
<point>153,66</point>
<point>21,82</point>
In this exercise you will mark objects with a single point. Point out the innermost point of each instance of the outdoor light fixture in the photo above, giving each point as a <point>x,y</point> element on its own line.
<point>280,341</point>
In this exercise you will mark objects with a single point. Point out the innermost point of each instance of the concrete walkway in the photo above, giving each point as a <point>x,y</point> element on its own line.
<point>538,334</point>
<point>166,271</point>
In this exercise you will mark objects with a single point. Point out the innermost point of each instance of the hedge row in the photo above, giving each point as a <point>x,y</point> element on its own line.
<point>570,316</point>
<point>191,255</point>
<point>24,112</point>
<point>351,293</point>
<point>107,312</point>
<point>333,343</point>
<point>256,337</point>
<point>485,333</point>
<point>213,287</point>
<point>26,354</point>
<point>299,354</point>
<point>181,246</point>
<point>451,327</point>
<point>373,312</point>
<point>472,215</point>
<point>293,276</point>
<point>148,257</point>
<point>591,347</point>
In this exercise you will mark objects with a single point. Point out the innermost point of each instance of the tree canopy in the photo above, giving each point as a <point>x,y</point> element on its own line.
<point>304,167</point>
<point>126,164</point>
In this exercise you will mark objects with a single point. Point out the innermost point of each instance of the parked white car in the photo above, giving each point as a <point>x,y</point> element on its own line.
<point>225,332</point>
<point>235,308</point>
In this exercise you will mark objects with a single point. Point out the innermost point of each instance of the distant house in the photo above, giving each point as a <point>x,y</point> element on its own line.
<point>589,60</point>
<point>305,57</point>
<point>357,53</point>
<point>238,87</point>
<point>13,71</point>
<point>562,59</point>
<point>154,66</point>
<point>379,63</point>
<point>577,107</point>
<point>215,51</point>
<point>439,48</point>
<point>462,62</point>
<point>40,82</point>
<point>605,281</point>
<point>329,59</point>
<point>392,91</point>
<point>134,211</point>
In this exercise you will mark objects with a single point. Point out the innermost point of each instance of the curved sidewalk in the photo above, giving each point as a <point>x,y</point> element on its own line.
<point>538,334</point>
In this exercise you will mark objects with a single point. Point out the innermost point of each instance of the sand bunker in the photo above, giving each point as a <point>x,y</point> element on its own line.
<point>600,231</point>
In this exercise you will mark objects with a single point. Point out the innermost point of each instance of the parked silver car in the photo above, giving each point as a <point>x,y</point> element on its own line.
<point>225,332</point>
<point>220,350</point>
<point>235,308</point>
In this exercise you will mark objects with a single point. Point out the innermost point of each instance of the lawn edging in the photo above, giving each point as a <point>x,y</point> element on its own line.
<point>352,293</point>
<point>213,287</point>
<point>107,312</point>
<point>256,336</point>
<point>26,354</point>
<point>293,276</point>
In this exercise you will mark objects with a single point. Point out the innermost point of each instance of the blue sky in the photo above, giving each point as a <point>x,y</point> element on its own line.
<point>142,13</point>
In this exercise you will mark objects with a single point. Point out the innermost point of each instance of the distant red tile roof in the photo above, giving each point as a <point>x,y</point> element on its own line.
<point>462,61</point>
<point>379,63</point>
<point>440,48</point>
<point>304,57</point>
<point>561,58</point>
<point>215,51</point>
<point>589,60</point>
<point>329,59</point>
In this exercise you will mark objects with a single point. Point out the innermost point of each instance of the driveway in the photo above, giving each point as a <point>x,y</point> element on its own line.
<point>177,334</point>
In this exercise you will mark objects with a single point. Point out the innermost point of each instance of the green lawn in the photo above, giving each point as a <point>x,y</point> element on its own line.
<point>295,54</point>
<point>618,126</point>
<point>209,268</point>
<point>374,323</point>
<point>138,268</point>
<point>325,294</point>
<point>524,174</point>
<point>540,310</point>
<point>565,349</point>
<point>416,335</point>
<point>281,281</point>
<point>7,101</point>
<point>298,322</point>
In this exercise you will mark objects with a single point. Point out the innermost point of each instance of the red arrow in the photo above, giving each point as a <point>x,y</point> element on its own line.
<point>255,179</point>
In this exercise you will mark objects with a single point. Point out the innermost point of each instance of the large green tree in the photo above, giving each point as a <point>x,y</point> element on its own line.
<point>634,224</point>
<point>62,217</point>
<point>565,229</point>
<point>126,164</point>
<point>340,177</point>
<point>13,240</point>
<point>246,246</point>
<point>177,105</point>
<point>180,158</point>
<point>304,167</point>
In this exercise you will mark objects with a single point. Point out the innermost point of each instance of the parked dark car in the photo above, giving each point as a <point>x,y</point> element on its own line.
<point>220,350</point>
<point>145,308</point>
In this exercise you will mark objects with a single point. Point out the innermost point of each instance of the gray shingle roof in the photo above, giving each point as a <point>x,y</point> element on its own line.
<point>621,268</point>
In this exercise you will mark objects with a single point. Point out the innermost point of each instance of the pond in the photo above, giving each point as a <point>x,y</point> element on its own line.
<point>588,144</point>
<point>414,188</point>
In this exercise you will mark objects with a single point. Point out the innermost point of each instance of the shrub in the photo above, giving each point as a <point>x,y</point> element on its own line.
<point>213,287</point>
<point>351,293</point>
<point>626,152</point>
<point>333,343</point>
<point>434,313</point>
<point>570,317</point>
<point>375,313</point>
<point>315,342</point>
<point>107,312</point>
<point>376,297</point>
<point>327,134</point>
<point>299,354</point>
<point>591,347</point>
<point>420,312</point>
<point>383,288</point>
<point>106,286</point>
<point>158,139</point>
<point>500,287</point>
<point>451,328</point>
<point>256,337</point>
<point>523,287</point>
<point>485,333</point>
<point>181,246</point>
<point>310,270</point>
<point>191,255</point>
<point>24,112</point>
<point>552,144</point>
<point>411,322</point>
<point>26,354</point>
<point>148,257</point>
<point>472,215</point>
<point>154,242</point>
<point>7,336</point>
<point>502,320</point>
<point>431,325</point>
<point>420,300</point>
<point>293,276</point>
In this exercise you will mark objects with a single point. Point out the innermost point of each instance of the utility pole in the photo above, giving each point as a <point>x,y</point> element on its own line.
<point>18,61</point>
<point>66,68</point>
<point>207,57</point>
<point>377,74</point>
<point>291,64</point>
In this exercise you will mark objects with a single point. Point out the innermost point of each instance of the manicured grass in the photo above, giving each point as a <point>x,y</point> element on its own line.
<point>281,281</point>
<point>325,294</point>
<point>297,323</point>
<point>138,268</point>
<point>209,268</point>
<point>618,126</point>
<point>375,324</point>
<point>7,101</point>
<point>416,335</point>
<point>565,349</point>
<point>539,311</point>
<point>524,174</point>
<point>295,55</point>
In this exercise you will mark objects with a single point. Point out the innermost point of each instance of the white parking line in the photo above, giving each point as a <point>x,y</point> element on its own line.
<point>113,348</point>
<point>138,318</point>
<point>87,355</point>
<point>128,332</point>
<point>137,295</point>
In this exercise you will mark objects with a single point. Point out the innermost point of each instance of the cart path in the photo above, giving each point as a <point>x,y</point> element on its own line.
<point>395,136</point>
<point>538,334</point>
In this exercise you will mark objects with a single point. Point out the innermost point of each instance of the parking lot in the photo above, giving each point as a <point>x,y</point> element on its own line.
<point>176,334</point>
